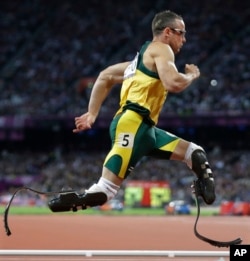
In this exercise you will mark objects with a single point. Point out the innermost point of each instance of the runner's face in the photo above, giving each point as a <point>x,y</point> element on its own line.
<point>177,36</point>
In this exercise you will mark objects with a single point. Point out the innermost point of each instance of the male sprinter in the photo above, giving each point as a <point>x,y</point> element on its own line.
<point>146,82</point>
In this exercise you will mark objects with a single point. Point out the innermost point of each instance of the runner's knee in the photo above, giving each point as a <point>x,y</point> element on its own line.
<point>188,159</point>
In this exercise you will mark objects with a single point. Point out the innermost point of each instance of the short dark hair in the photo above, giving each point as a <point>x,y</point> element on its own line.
<point>163,20</point>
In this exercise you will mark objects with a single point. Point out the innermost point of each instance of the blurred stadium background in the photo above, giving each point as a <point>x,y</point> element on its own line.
<point>51,52</point>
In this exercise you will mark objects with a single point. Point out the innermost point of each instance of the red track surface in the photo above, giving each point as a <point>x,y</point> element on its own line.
<point>80,232</point>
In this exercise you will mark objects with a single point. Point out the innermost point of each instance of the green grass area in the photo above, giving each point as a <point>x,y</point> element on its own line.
<point>34,210</point>
<point>24,210</point>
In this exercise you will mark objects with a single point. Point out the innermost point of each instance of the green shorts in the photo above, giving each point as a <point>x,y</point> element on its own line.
<point>132,139</point>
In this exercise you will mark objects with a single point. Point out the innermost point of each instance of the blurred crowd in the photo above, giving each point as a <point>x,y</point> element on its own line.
<point>78,170</point>
<point>51,52</point>
<point>49,49</point>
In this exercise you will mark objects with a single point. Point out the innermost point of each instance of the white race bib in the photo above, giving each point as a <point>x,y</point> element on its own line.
<point>131,69</point>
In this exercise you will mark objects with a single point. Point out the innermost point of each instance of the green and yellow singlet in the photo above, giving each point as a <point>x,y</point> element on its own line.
<point>142,90</point>
<point>133,131</point>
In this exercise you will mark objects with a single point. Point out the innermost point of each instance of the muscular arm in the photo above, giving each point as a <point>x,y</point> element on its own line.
<point>103,84</point>
<point>105,81</point>
<point>172,79</point>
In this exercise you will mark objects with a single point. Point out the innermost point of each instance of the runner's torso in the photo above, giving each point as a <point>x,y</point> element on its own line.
<point>142,90</point>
